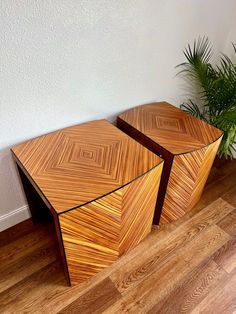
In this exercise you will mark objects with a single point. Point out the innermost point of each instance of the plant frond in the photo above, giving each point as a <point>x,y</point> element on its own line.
<point>217,89</point>
<point>225,120</point>
<point>194,110</point>
<point>234,47</point>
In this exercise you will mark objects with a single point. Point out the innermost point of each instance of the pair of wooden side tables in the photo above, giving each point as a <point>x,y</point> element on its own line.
<point>102,186</point>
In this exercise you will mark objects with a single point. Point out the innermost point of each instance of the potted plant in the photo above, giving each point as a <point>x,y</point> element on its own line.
<point>215,86</point>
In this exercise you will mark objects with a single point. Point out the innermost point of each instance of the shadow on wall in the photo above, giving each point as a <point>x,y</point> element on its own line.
<point>9,185</point>
<point>13,208</point>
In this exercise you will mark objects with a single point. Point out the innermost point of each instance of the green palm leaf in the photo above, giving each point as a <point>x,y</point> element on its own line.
<point>217,90</point>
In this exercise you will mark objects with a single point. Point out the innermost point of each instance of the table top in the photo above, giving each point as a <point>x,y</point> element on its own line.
<point>78,164</point>
<point>170,127</point>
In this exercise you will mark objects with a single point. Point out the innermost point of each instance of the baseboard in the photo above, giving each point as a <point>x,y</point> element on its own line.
<point>14,217</point>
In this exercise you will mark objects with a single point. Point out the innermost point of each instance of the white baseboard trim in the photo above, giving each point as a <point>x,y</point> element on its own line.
<point>14,217</point>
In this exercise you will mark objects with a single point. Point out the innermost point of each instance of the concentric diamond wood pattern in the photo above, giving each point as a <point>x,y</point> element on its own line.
<point>188,146</point>
<point>101,187</point>
<point>170,127</point>
<point>76,165</point>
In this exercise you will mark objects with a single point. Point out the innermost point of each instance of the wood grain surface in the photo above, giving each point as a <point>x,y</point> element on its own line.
<point>188,146</point>
<point>100,186</point>
<point>191,290</point>
<point>186,266</point>
<point>170,127</point>
<point>95,300</point>
<point>96,234</point>
<point>79,164</point>
<point>187,179</point>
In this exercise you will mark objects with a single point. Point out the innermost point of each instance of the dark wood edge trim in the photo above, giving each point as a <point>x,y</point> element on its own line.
<point>165,176</point>
<point>158,150</point>
<point>55,219</point>
<point>141,138</point>
<point>56,215</point>
<point>165,181</point>
<point>119,120</point>
<point>194,150</point>
<point>47,203</point>
<point>62,248</point>
<point>51,208</point>
<point>120,187</point>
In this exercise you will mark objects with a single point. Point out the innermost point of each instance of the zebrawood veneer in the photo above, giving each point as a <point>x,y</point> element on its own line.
<point>188,146</point>
<point>100,186</point>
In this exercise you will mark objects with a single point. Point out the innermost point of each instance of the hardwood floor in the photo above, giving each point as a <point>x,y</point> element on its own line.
<point>188,266</point>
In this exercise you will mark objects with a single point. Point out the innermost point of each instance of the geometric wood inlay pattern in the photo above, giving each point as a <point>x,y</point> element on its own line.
<point>79,164</point>
<point>100,186</point>
<point>187,179</point>
<point>173,129</point>
<point>187,144</point>
<point>96,234</point>
<point>188,269</point>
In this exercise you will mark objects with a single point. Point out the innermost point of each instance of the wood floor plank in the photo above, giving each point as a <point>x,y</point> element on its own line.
<point>24,295</point>
<point>170,269</point>
<point>96,300</point>
<point>28,265</point>
<point>227,166</point>
<point>167,277</point>
<point>15,232</point>
<point>214,176</point>
<point>226,256</point>
<point>191,290</point>
<point>63,296</point>
<point>220,170</point>
<point>228,223</point>
<point>133,272</point>
<point>211,193</point>
<point>230,196</point>
<point>17,249</point>
<point>60,297</point>
<point>221,300</point>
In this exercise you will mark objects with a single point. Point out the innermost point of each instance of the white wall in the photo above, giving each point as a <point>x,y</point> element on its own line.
<point>63,62</point>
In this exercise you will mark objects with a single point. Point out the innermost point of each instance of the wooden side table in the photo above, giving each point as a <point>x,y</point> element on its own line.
<point>188,146</point>
<point>100,186</point>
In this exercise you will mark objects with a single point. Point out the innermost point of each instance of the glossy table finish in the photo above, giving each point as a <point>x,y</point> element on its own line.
<point>100,186</point>
<point>188,146</point>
